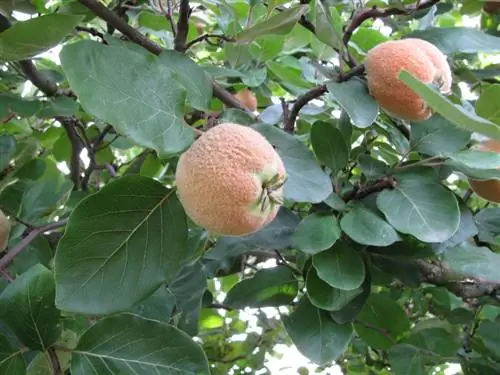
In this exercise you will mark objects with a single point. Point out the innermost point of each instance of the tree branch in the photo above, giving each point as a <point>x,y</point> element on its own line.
<point>54,361</point>
<point>112,19</point>
<point>289,123</point>
<point>206,37</point>
<point>12,253</point>
<point>374,13</point>
<point>359,193</point>
<point>182,26</point>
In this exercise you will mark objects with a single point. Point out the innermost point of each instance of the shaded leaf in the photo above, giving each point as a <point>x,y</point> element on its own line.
<point>324,296</point>
<point>120,244</point>
<point>158,306</point>
<point>27,306</point>
<point>488,223</point>
<point>372,168</point>
<point>406,359</point>
<point>29,38</point>
<point>340,266</point>
<point>329,146</point>
<point>11,361</point>
<point>315,233</point>
<point>306,180</point>
<point>328,30</point>
<point>315,334</point>
<point>7,150</point>
<point>353,97</point>
<point>147,107</point>
<point>350,311</point>
<point>134,345</point>
<point>420,206</point>
<point>268,287</point>
<point>367,228</point>
<point>487,106</point>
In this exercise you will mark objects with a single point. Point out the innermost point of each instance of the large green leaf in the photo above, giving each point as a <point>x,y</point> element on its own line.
<point>381,322</point>
<point>367,228</point>
<point>120,244</point>
<point>315,334</point>
<point>324,296</point>
<point>7,150</point>
<point>353,97</point>
<point>438,136</point>
<point>340,266</point>
<point>456,114</point>
<point>269,287</point>
<point>27,306</point>
<point>29,38</point>
<point>12,361</point>
<point>128,344</point>
<point>406,359</point>
<point>420,206</point>
<point>452,40</point>
<point>278,24</point>
<point>467,260</point>
<point>487,106</point>
<point>189,75</point>
<point>315,233</point>
<point>307,182</point>
<point>487,332</point>
<point>328,25</point>
<point>481,165</point>
<point>147,107</point>
<point>329,146</point>
<point>488,224</point>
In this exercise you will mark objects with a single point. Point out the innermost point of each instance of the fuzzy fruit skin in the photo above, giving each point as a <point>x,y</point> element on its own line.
<point>248,98</point>
<point>219,180</point>
<point>487,189</point>
<point>423,60</point>
<point>492,7</point>
<point>4,230</point>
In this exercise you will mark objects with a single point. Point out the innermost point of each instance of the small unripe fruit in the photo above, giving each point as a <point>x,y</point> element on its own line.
<point>248,98</point>
<point>423,60</point>
<point>487,189</point>
<point>230,180</point>
<point>4,230</point>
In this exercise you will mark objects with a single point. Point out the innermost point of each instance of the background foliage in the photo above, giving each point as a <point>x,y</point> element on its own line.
<point>381,261</point>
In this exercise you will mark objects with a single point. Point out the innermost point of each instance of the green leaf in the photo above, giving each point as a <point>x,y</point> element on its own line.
<point>29,38</point>
<point>349,312</point>
<point>455,114</point>
<point>353,97</point>
<point>59,106</point>
<point>328,30</point>
<point>147,107</point>
<point>315,334</point>
<point>488,224</point>
<point>307,182</point>
<point>372,168</point>
<point>153,21</point>
<point>315,233</point>
<point>340,266</point>
<point>438,136</point>
<point>158,306</point>
<point>381,322</point>
<point>190,76</point>
<point>420,206</point>
<point>329,146</point>
<point>487,106</point>
<point>27,306</point>
<point>11,361</point>
<point>134,345</point>
<point>7,150</point>
<point>406,359</point>
<point>367,228</point>
<point>281,23</point>
<point>476,164</point>
<point>269,287</point>
<point>451,40</point>
<point>467,260</point>
<point>488,332</point>
<point>436,337</point>
<point>326,297</point>
<point>188,288</point>
<point>120,244</point>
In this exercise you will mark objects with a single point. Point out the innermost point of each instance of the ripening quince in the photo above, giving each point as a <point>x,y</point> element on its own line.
<point>4,230</point>
<point>423,60</point>
<point>487,189</point>
<point>248,98</point>
<point>230,180</point>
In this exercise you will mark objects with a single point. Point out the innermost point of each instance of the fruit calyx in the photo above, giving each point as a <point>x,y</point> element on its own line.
<point>270,194</point>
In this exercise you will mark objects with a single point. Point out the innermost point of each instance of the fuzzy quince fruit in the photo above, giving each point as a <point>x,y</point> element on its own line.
<point>423,60</point>
<point>230,180</point>
<point>248,98</point>
<point>487,189</point>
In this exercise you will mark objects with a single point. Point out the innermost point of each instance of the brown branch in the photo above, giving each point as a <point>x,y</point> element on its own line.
<point>68,124</point>
<point>12,253</point>
<point>54,361</point>
<point>359,193</point>
<point>355,71</point>
<point>289,123</point>
<point>45,84</point>
<point>92,31</point>
<point>112,19</point>
<point>206,37</point>
<point>374,13</point>
<point>182,26</point>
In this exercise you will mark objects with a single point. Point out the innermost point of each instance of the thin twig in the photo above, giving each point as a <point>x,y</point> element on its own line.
<point>374,13</point>
<point>359,193</point>
<point>182,26</point>
<point>289,123</point>
<point>92,31</point>
<point>12,253</point>
<point>118,23</point>
<point>54,361</point>
<point>206,37</point>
